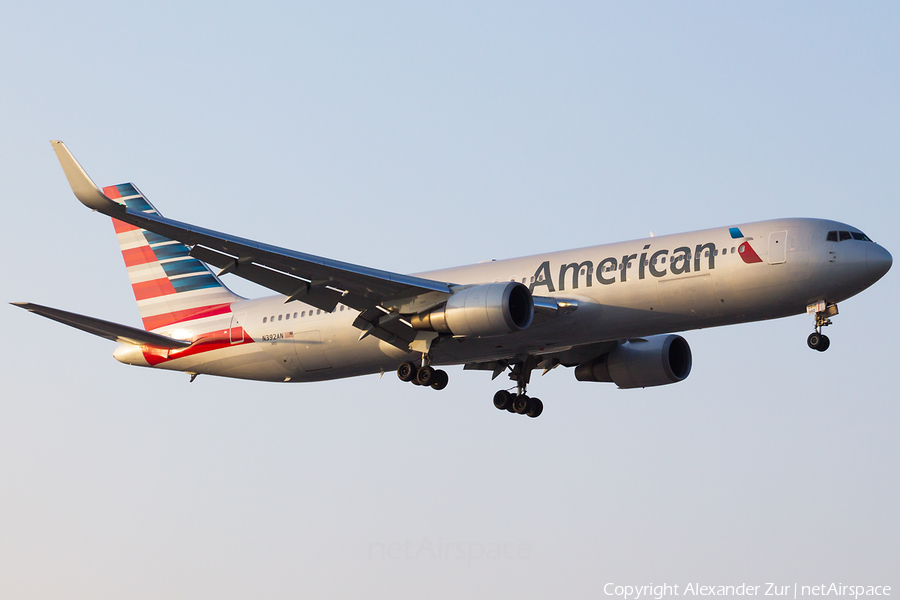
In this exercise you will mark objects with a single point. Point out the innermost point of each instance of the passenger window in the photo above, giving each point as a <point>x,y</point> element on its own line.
<point>831,237</point>
<point>264,319</point>
<point>279,317</point>
<point>303,314</point>
<point>272,318</point>
<point>342,307</point>
<point>706,254</point>
<point>732,249</point>
<point>287,316</point>
<point>319,311</point>
<point>845,235</point>
<point>295,315</point>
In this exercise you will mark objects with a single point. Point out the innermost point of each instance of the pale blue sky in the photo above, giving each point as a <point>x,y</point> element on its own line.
<point>415,136</point>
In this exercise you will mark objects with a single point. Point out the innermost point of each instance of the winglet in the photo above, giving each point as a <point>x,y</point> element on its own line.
<point>85,189</point>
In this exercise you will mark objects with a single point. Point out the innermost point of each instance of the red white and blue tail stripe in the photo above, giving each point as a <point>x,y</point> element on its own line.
<point>169,285</point>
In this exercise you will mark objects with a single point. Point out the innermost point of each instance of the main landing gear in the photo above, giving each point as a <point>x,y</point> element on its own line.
<point>520,403</point>
<point>823,311</point>
<point>425,375</point>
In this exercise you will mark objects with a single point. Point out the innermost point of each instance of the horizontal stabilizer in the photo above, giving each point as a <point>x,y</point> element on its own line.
<point>105,329</point>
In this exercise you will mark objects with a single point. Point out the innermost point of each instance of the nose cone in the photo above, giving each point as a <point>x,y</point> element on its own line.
<point>878,261</point>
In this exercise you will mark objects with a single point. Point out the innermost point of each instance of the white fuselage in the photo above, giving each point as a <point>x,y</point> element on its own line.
<point>630,289</point>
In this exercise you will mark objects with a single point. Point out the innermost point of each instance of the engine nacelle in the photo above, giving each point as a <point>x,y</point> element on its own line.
<point>643,362</point>
<point>481,310</point>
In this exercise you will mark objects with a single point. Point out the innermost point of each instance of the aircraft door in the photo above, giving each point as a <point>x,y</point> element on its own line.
<point>237,328</point>
<point>777,247</point>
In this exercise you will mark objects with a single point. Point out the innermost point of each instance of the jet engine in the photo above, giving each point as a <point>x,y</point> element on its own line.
<point>481,310</point>
<point>642,362</point>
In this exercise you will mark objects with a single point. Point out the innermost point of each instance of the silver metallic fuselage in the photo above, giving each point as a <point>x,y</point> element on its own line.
<point>622,290</point>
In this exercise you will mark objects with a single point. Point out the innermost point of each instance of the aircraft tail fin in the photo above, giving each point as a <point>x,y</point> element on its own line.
<point>170,286</point>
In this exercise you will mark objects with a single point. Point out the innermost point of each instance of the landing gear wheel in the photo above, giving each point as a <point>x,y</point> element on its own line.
<point>502,399</point>
<point>817,341</point>
<point>425,376</point>
<point>520,404</point>
<point>441,379</point>
<point>406,371</point>
<point>535,408</point>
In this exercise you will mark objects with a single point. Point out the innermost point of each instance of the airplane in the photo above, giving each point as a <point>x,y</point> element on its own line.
<point>611,311</point>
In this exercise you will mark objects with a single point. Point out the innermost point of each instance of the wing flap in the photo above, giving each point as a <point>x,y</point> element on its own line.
<point>105,329</point>
<point>295,288</point>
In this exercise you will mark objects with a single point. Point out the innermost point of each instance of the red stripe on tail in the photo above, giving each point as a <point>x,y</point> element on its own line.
<point>152,289</point>
<point>122,227</point>
<point>112,192</point>
<point>138,256</point>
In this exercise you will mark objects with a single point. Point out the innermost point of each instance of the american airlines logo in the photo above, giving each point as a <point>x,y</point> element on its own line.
<point>679,261</point>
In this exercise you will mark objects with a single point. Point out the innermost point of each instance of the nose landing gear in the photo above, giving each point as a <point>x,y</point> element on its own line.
<point>822,311</point>
<point>818,341</point>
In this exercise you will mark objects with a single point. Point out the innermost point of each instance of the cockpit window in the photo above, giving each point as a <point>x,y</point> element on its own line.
<point>835,236</point>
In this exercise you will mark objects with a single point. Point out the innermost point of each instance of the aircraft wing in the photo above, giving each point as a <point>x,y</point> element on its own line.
<point>380,296</point>
<point>105,329</point>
